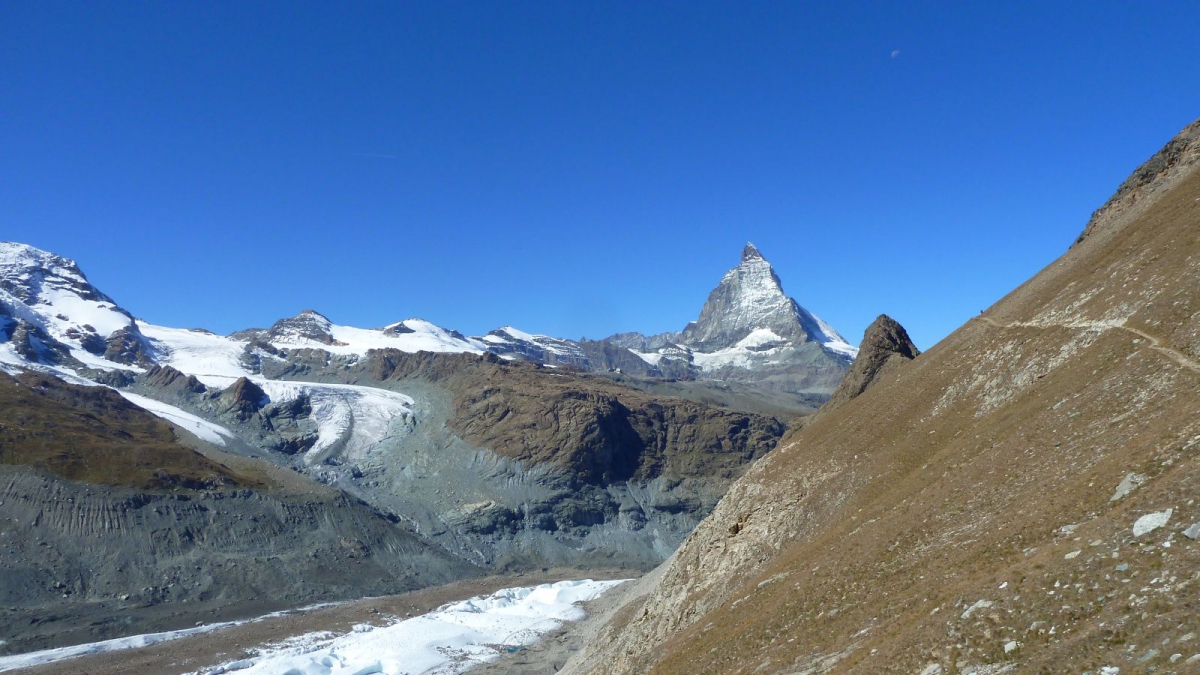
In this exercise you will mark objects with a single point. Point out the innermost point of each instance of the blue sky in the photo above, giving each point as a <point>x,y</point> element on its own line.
<point>574,168</point>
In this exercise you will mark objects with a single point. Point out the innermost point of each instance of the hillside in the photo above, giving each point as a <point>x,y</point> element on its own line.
<point>1020,498</point>
<point>112,525</point>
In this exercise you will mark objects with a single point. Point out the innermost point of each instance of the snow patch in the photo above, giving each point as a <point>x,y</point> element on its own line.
<point>201,428</point>
<point>196,352</point>
<point>452,639</point>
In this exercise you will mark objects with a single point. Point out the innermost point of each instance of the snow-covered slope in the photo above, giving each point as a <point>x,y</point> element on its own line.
<point>211,358</point>
<point>509,343</point>
<point>52,313</point>
<point>57,323</point>
<point>312,330</point>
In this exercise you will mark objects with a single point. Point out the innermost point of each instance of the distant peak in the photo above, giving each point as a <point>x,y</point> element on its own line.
<point>751,253</point>
<point>16,254</point>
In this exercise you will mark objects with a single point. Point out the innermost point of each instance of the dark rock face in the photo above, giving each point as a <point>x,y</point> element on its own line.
<point>89,339</point>
<point>243,398</point>
<point>128,346</point>
<point>309,324</point>
<point>537,348</point>
<point>602,433</point>
<point>166,377</point>
<point>32,343</point>
<point>1175,158</point>
<point>606,356</point>
<point>885,347</point>
<point>643,343</point>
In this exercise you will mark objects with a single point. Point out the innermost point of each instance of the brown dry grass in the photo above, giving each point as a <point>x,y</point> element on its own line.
<point>92,435</point>
<point>859,544</point>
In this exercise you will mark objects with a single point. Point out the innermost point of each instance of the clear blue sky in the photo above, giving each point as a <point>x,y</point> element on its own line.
<point>574,168</point>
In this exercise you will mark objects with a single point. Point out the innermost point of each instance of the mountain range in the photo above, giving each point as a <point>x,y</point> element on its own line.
<point>1019,498</point>
<point>748,331</point>
<point>441,454</point>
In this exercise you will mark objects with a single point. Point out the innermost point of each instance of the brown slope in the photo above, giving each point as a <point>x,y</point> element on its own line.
<point>983,471</point>
<point>93,435</point>
<point>599,430</point>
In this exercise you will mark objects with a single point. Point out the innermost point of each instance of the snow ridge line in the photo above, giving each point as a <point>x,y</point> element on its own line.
<point>1155,343</point>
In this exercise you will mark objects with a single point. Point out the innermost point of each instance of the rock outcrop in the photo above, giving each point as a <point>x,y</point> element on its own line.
<point>884,348</point>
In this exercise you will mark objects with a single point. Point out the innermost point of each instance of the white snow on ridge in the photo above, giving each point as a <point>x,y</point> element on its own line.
<point>201,428</point>
<point>55,300</point>
<point>196,352</point>
<point>449,640</point>
<point>649,357</point>
<point>833,340</point>
<point>351,341</point>
<point>508,335</point>
<point>760,344</point>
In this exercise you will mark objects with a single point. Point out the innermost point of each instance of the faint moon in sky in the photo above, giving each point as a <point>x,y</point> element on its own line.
<point>895,53</point>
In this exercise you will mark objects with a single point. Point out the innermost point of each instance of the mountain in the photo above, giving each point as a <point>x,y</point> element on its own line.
<point>469,447</point>
<point>108,513</point>
<point>51,313</point>
<point>1019,498</point>
<point>750,331</point>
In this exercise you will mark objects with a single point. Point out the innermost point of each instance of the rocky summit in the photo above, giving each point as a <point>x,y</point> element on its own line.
<point>750,331</point>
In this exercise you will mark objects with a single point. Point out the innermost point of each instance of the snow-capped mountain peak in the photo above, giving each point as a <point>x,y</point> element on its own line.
<point>750,298</point>
<point>51,313</point>
<point>30,273</point>
<point>750,330</point>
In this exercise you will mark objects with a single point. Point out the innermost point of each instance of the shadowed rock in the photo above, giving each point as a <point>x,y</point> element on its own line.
<point>885,347</point>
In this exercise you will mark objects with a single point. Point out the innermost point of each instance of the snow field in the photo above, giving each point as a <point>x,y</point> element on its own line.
<point>449,640</point>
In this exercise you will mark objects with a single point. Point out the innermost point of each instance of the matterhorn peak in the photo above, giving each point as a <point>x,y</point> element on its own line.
<point>751,252</point>
<point>750,303</point>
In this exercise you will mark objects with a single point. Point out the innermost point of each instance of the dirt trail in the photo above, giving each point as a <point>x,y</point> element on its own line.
<point>1155,343</point>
